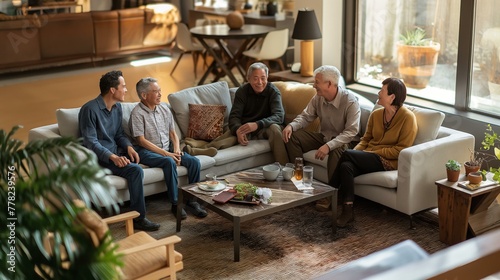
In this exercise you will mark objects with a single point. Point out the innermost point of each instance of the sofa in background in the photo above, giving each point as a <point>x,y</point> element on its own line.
<point>37,41</point>
<point>409,190</point>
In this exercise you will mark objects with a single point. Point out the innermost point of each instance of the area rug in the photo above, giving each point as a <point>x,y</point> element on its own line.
<point>293,244</point>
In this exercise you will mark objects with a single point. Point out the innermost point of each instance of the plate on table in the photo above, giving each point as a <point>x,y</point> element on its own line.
<point>217,188</point>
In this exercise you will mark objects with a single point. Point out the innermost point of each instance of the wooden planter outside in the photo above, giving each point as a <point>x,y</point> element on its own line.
<point>417,64</point>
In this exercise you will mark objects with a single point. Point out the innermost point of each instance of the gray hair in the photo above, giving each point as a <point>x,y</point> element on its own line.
<point>255,66</point>
<point>143,85</point>
<point>329,73</point>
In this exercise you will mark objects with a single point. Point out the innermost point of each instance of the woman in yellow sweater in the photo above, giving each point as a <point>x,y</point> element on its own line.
<point>390,129</point>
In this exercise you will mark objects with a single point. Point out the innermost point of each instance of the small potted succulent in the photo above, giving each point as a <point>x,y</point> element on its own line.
<point>453,170</point>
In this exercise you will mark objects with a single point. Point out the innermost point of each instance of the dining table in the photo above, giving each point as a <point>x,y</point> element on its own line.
<point>227,59</point>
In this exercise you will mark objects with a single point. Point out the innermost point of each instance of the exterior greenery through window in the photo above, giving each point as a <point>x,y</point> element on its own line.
<point>434,71</point>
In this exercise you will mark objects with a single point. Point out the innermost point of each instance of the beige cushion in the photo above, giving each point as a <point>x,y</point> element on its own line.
<point>428,122</point>
<point>67,119</point>
<point>206,121</point>
<point>143,262</point>
<point>295,97</point>
<point>127,108</point>
<point>92,222</point>
<point>214,93</point>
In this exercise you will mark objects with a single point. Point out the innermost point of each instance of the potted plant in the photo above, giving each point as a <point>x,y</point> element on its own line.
<point>453,170</point>
<point>39,182</point>
<point>475,161</point>
<point>417,58</point>
<point>492,140</point>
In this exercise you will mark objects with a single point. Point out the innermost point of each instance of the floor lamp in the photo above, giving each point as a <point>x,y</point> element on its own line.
<point>306,28</point>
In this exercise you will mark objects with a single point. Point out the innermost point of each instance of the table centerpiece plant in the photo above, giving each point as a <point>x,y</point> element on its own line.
<point>251,193</point>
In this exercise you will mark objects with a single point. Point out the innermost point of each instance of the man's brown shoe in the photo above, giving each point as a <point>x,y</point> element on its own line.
<point>347,215</point>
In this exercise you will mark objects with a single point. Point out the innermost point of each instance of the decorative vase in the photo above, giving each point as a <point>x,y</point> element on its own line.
<point>271,8</point>
<point>452,175</point>
<point>469,168</point>
<point>235,20</point>
<point>247,6</point>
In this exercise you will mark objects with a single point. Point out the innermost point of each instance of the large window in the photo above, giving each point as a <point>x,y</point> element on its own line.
<point>420,41</point>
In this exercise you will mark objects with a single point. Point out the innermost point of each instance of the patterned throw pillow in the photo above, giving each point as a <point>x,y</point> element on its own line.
<point>206,121</point>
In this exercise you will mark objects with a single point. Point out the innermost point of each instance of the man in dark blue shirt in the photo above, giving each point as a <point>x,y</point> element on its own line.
<point>100,123</point>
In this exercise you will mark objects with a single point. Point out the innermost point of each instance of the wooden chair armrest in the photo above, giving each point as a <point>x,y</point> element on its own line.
<point>171,240</point>
<point>124,217</point>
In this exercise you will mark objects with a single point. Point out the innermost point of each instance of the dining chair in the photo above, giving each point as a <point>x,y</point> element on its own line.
<point>186,43</point>
<point>273,47</point>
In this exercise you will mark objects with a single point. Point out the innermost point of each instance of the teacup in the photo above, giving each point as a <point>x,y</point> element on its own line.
<point>210,177</point>
<point>288,173</point>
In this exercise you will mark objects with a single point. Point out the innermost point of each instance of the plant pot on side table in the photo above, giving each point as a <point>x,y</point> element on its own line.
<point>453,170</point>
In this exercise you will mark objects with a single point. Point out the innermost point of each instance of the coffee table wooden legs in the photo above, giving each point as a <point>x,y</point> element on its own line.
<point>334,212</point>
<point>236,238</point>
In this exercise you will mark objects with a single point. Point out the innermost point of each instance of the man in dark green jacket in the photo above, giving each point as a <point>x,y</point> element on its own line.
<point>258,112</point>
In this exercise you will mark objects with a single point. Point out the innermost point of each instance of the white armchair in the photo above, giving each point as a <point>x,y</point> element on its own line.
<point>411,188</point>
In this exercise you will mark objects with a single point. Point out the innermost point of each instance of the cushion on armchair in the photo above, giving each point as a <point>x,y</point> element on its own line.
<point>428,122</point>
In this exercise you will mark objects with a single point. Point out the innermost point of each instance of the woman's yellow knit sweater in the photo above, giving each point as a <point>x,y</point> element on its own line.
<point>387,143</point>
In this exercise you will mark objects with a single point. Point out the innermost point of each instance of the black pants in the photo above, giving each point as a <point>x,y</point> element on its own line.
<point>353,163</point>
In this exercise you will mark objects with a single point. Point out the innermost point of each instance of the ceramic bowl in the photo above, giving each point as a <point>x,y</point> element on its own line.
<point>212,184</point>
<point>475,177</point>
<point>271,172</point>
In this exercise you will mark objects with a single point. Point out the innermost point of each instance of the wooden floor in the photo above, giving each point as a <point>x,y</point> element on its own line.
<point>30,99</point>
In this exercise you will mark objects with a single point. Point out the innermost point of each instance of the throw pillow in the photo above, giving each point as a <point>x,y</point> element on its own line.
<point>206,121</point>
<point>214,93</point>
<point>67,120</point>
<point>295,97</point>
<point>428,122</point>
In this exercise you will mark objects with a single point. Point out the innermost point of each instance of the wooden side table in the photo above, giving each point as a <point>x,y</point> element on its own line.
<point>288,75</point>
<point>463,213</point>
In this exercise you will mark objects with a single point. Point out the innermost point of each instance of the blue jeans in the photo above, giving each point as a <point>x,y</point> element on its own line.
<point>153,159</point>
<point>134,175</point>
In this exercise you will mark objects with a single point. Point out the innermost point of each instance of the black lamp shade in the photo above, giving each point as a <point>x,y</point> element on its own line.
<point>306,26</point>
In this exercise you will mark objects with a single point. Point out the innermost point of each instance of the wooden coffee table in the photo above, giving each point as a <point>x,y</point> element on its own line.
<point>285,196</point>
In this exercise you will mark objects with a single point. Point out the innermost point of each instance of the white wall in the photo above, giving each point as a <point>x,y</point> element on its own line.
<point>328,49</point>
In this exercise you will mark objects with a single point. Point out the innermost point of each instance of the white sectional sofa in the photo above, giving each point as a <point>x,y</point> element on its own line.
<point>408,190</point>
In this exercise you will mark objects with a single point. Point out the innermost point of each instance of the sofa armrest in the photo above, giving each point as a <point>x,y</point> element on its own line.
<point>44,132</point>
<point>421,165</point>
